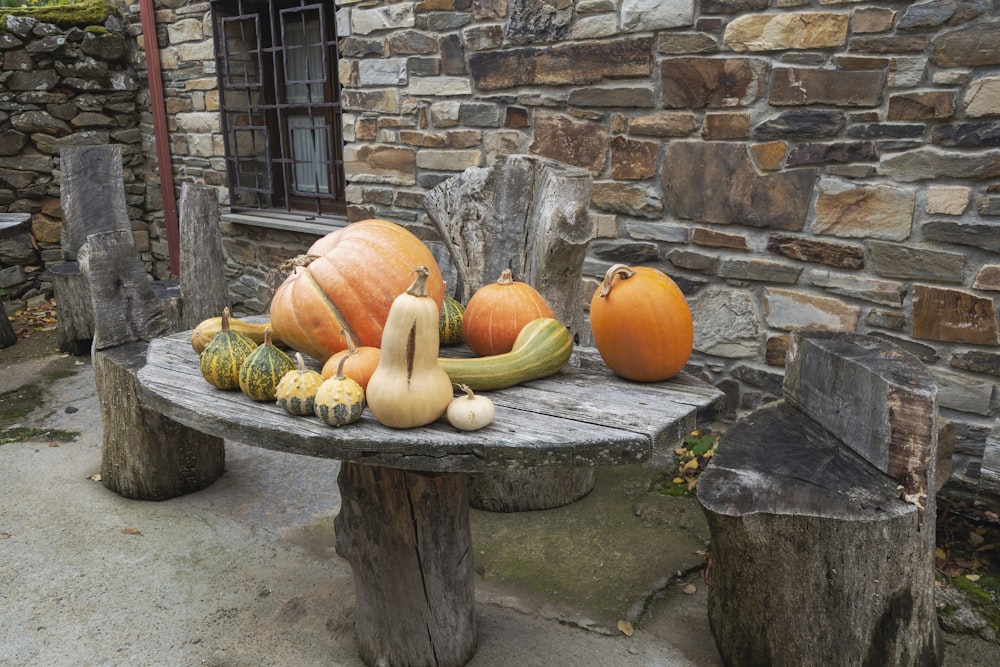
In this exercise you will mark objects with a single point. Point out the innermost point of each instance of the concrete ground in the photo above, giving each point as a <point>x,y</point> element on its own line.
<point>244,573</point>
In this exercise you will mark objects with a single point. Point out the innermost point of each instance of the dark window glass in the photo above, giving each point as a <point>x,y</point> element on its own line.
<point>280,105</point>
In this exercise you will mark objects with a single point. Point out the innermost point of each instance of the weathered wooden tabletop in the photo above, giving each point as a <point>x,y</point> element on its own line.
<point>583,415</point>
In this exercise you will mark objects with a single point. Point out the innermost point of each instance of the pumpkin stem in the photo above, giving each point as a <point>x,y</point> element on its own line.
<point>467,389</point>
<point>300,362</point>
<point>350,341</point>
<point>340,367</point>
<point>225,319</point>
<point>419,286</point>
<point>620,270</point>
<point>506,277</point>
<point>267,335</point>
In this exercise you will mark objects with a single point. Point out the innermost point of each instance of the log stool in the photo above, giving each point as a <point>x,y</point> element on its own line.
<point>821,511</point>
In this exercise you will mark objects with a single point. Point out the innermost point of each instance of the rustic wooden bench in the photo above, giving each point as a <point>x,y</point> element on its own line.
<point>821,511</point>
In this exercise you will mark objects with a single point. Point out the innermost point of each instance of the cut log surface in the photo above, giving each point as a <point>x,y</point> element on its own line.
<point>877,398</point>
<point>75,311</point>
<point>407,538</point>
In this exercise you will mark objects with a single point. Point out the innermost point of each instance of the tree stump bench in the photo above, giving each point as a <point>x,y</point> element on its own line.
<point>821,512</point>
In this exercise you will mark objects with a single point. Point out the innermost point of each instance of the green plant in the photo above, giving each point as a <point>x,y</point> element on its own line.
<point>690,458</point>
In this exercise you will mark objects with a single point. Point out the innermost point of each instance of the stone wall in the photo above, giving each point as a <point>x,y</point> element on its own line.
<point>826,164</point>
<point>63,87</point>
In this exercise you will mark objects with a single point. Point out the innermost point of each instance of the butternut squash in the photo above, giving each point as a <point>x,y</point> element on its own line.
<point>408,388</point>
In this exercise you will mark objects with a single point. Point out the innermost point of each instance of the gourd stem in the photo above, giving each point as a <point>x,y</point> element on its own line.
<point>620,270</point>
<point>350,341</point>
<point>506,278</point>
<point>300,362</point>
<point>467,389</point>
<point>419,286</point>
<point>340,367</point>
<point>267,336</point>
<point>225,319</point>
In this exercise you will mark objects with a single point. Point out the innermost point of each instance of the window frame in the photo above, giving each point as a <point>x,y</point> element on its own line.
<point>262,180</point>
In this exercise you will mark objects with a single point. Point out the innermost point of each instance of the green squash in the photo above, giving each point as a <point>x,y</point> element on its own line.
<point>450,321</point>
<point>263,369</point>
<point>221,359</point>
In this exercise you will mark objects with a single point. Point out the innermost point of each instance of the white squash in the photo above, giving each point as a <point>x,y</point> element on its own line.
<point>470,412</point>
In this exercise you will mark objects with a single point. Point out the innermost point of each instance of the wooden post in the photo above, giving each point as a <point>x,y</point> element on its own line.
<point>92,197</point>
<point>407,537</point>
<point>203,279</point>
<point>144,455</point>
<point>528,214</point>
<point>821,510</point>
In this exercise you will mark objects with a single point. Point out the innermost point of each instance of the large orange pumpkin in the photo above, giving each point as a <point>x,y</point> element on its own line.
<point>641,323</point>
<point>356,274</point>
<point>497,312</point>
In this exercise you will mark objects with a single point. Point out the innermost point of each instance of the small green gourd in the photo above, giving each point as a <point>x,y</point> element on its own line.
<point>296,392</point>
<point>221,360</point>
<point>450,321</point>
<point>263,369</point>
<point>339,400</point>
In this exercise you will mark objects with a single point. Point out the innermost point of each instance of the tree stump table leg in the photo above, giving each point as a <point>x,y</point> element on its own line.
<point>406,535</point>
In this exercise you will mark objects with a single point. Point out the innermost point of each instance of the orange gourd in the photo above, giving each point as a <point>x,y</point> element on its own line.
<point>641,323</point>
<point>496,313</point>
<point>349,282</point>
<point>360,364</point>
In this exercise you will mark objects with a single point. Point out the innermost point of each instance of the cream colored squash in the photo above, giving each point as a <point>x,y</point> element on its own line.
<point>409,388</point>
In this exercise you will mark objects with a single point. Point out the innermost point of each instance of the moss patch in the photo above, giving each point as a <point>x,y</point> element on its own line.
<point>21,434</point>
<point>80,14</point>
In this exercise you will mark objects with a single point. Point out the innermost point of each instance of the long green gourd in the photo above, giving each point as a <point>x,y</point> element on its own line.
<point>541,349</point>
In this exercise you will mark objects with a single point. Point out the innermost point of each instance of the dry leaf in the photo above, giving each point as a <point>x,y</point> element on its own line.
<point>96,477</point>
<point>131,531</point>
<point>972,577</point>
<point>625,628</point>
<point>4,536</point>
<point>689,589</point>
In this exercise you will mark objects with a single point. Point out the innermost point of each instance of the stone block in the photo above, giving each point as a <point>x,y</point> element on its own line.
<point>698,83</point>
<point>786,31</point>
<point>726,323</point>
<point>792,309</point>
<point>576,142</point>
<point>791,86</point>
<point>632,159</point>
<point>806,249</point>
<point>933,105</point>
<point>855,286</point>
<point>954,316</point>
<point>864,211</point>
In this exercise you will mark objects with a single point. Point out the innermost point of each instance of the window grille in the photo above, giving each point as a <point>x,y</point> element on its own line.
<point>280,105</point>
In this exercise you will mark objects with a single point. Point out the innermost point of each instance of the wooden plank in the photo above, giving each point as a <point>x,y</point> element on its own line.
<point>92,194</point>
<point>203,283</point>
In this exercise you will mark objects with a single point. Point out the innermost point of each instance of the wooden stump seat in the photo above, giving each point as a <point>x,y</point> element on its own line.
<point>821,512</point>
<point>144,455</point>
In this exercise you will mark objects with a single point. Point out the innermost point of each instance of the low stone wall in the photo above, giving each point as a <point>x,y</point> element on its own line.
<point>64,87</point>
<point>790,163</point>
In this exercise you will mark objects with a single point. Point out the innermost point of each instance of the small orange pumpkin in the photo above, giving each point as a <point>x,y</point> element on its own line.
<point>496,313</point>
<point>361,362</point>
<point>641,323</point>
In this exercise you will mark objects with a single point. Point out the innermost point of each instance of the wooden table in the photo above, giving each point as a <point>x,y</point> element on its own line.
<point>404,518</point>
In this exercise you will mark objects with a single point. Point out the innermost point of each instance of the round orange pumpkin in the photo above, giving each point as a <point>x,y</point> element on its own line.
<point>496,313</point>
<point>641,323</point>
<point>353,277</point>
<point>361,363</point>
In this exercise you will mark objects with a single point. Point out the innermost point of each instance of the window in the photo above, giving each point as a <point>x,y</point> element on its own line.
<point>280,104</point>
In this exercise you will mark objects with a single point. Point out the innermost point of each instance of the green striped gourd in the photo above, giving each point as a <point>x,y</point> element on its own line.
<point>263,369</point>
<point>542,348</point>
<point>221,359</point>
<point>450,321</point>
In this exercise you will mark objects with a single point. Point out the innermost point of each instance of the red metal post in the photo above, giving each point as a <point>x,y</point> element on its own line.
<point>163,163</point>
